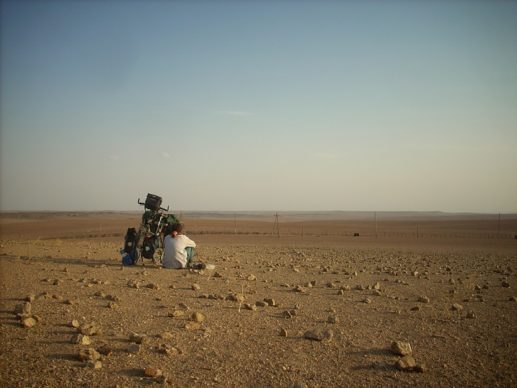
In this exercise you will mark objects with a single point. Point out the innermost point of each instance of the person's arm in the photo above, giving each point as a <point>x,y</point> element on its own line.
<point>188,242</point>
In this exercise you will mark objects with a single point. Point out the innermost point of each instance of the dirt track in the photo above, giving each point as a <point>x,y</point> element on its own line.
<point>363,293</point>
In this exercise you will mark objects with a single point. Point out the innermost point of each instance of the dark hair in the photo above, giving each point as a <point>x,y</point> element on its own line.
<point>177,227</point>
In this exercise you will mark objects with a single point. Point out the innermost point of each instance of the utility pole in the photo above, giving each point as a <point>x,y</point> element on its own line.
<point>276,226</point>
<point>375,217</point>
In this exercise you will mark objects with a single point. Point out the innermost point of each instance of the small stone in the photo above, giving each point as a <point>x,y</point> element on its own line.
<point>80,339</point>
<point>271,302</point>
<point>415,308</point>
<point>111,305</point>
<point>28,322</point>
<point>74,323</point>
<point>133,348</point>
<point>505,284</point>
<point>197,317</point>
<point>300,289</point>
<point>424,299</point>
<point>166,335</point>
<point>152,372</point>
<point>406,363</point>
<point>401,348</point>
<point>193,326</point>
<point>104,349</point>
<point>23,308</point>
<point>153,286</point>
<point>94,364</point>
<point>251,278</point>
<point>89,329</point>
<point>377,286</point>
<point>30,298</point>
<point>457,307</point>
<point>89,354</point>
<point>176,313</point>
<point>470,315</point>
<point>70,301</point>
<point>512,298</point>
<point>166,349</point>
<point>340,292</point>
<point>332,319</point>
<point>236,298</point>
<point>367,301</point>
<point>318,335</point>
<point>137,338</point>
<point>283,332</point>
<point>249,306</point>
<point>261,303</point>
<point>196,287</point>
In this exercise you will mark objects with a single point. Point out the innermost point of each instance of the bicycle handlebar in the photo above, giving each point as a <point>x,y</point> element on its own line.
<point>143,204</point>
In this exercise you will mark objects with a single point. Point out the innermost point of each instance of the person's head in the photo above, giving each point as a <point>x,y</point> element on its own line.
<point>176,229</point>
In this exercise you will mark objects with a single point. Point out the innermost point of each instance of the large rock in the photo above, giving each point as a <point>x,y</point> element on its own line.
<point>318,335</point>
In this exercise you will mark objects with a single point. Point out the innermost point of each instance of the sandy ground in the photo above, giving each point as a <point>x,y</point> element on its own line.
<point>450,293</point>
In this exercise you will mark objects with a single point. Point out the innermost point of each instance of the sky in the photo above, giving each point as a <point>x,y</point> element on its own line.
<point>259,105</point>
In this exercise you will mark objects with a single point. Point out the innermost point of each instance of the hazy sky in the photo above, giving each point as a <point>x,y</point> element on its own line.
<point>259,105</point>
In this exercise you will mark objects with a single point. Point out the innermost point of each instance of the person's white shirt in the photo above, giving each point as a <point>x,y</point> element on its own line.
<point>174,253</point>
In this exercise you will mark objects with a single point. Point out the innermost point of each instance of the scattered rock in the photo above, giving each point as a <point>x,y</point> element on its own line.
<point>30,298</point>
<point>153,286</point>
<point>104,348</point>
<point>89,354</point>
<point>80,339</point>
<point>193,326</point>
<point>251,278</point>
<point>318,335</point>
<point>28,322</point>
<point>235,298</point>
<point>176,313</point>
<point>505,284</point>
<point>270,302</point>
<point>166,335</point>
<point>401,348</point>
<point>332,319</point>
<point>249,306</point>
<point>23,308</point>
<point>457,307</point>
<point>89,329</point>
<point>197,317</point>
<point>196,287</point>
<point>74,323</point>
<point>424,299</point>
<point>152,372</point>
<point>137,338</point>
<point>283,332</point>
<point>300,289</point>
<point>406,363</point>
<point>94,364</point>
<point>133,348</point>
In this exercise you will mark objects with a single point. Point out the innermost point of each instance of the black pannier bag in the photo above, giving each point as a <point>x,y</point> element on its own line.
<point>153,202</point>
<point>130,240</point>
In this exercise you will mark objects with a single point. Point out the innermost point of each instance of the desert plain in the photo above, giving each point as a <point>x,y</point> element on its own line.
<point>302,300</point>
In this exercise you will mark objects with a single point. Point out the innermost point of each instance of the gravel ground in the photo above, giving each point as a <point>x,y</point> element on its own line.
<point>269,314</point>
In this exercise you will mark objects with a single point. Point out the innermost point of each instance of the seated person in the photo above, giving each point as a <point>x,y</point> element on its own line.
<point>178,249</point>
